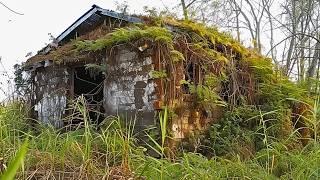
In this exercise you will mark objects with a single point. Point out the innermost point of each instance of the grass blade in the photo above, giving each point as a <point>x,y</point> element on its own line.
<point>16,162</point>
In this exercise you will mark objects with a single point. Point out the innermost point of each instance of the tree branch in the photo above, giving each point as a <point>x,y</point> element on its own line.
<point>187,6</point>
<point>293,35</point>
<point>10,8</point>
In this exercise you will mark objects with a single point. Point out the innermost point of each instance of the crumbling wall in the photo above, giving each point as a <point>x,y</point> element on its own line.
<point>188,115</point>
<point>128,88</point>
<point>50,94</point>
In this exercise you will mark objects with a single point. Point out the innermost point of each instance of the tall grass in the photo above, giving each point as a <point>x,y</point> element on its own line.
<point>113,152</point>
<point>80,106</point>
<point>84,153</point>
<point>160,148</point>
<point>10,173</point>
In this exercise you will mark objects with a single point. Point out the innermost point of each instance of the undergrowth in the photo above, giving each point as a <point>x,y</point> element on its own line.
<point>113,151</point>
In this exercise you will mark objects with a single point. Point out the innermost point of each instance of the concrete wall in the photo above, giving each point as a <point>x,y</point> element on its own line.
<point>128,88</point>
<point>50,94</point>
<point>128,92</point>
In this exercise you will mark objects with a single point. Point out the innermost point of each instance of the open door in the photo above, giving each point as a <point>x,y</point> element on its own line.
<point>91,87</point>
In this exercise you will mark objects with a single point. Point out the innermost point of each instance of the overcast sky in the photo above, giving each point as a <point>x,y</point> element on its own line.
<point>29,32</point>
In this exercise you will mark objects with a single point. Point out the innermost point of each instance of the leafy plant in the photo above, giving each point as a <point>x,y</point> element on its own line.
<point>158,74</point>
<point>206,96</point>
<point>125,35</point>
<point>14,165</point>
<point>176,56</point>
<point>160,148</point>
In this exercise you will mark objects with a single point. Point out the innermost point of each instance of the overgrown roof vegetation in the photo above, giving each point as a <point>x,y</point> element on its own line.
<point>156,32</point>
<point>207,42</point>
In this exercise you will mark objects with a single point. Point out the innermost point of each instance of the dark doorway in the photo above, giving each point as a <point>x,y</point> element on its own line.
<point>90,85</point>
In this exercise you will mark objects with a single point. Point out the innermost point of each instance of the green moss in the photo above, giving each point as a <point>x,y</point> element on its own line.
<point>205,52</point>
<point>126,35</point>
<point>176,56</point>
<point>206,96</point>
<point>158,74</point>
<point>211,80</point>
<point>211,35</point>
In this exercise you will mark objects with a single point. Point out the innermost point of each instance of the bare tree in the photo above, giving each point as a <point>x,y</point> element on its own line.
<point>185,6</point>
<point>267,4</point>
<point>301,26</point>
<point>212,12</point>
<point>250,14</point>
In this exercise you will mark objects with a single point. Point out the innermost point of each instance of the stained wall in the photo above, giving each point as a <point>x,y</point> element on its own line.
<point>129,89</point>
<point>50,94</point>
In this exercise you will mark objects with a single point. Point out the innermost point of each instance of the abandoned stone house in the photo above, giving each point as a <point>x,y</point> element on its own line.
<point>121,79</point>
<point>56,85</point>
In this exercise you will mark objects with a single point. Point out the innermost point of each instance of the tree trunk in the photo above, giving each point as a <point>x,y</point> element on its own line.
<point>315,60</point>
<point>184,10</point>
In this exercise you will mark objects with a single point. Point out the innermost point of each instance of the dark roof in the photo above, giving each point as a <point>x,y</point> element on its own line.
<point>88,19</point>
<point>93,15</point>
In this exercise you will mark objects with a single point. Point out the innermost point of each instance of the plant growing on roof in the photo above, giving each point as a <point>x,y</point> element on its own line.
<point>176,56</point>
<point>158,74</point>
<point>126,35</point>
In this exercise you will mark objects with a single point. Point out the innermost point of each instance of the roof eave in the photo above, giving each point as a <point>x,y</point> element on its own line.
<point>77,23</point>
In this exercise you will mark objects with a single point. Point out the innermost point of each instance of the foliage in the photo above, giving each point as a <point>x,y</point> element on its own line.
<point>176,56</point>
<point>125,35</point>
<point>158,74</point>
<point>82,153</point>
<point>21,82</point>
<point>114,145</point>
<point>231,131</point>
<point>206,96</point>
<point>13,167</point>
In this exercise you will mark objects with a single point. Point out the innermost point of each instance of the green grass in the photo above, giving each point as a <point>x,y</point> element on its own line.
<point>10,173</point>
<point>113,151</point>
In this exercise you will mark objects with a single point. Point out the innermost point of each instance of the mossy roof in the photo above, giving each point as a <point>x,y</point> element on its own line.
<point>203,38</point>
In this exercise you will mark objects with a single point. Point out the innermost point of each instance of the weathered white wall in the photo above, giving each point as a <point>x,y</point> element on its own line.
<point>50,93</point>
<point>51,108</point>
<point>128,88</point>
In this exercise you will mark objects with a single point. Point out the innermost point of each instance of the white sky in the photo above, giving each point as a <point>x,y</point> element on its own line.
<point>29,32</point>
